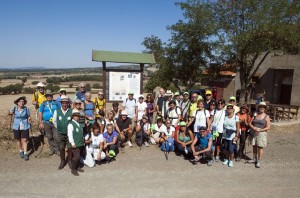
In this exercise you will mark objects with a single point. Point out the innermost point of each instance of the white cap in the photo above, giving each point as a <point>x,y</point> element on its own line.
<point>40,85</point>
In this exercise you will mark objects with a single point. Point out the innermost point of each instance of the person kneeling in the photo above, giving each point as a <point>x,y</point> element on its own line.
<point>143,132</point>
<point>94,147</point>
<point>204,147</point>
<point>75,137</point>
<point>167,138</point>
<point>110,142</point>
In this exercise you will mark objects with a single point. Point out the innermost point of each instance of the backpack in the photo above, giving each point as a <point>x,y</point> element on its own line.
<point>26,111</point>
<point>167,113</point>
<point>133,99</point>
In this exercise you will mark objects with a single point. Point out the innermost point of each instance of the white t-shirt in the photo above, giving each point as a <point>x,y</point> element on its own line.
<point>130,107</point>
<point>170,132</point>
<point>141,108</point>
<point>200,119</point>
<point>218,122</point>
<point>146,126</point>
<point>230,124</point>
<point>162,128</point>
<point>184,106</point>
<point>93,147</point>
<point>173,114</point>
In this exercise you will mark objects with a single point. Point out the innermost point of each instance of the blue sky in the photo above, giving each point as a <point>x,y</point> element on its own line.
<point>62,33</point>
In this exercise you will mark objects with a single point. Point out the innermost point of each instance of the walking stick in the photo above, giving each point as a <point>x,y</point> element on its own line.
<point>166,152</point>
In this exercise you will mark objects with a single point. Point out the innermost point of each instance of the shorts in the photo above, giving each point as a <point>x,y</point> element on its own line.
<point>259,140</point>
<point>218,140</point>
<point>229,146</point>
<point>18,134</point>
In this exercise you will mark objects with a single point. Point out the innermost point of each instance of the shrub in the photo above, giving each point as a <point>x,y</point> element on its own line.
<point>71,85</point>
<point>96,86</point>
<point>34,82</point>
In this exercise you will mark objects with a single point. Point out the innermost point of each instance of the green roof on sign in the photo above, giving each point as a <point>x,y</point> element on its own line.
<point>122,57</point>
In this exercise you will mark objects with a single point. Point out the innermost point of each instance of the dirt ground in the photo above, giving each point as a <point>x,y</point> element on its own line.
<point>146,172</point>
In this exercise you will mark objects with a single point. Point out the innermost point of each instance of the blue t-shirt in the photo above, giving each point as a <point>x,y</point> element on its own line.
<point>80,95</point>
<point>111,137</point>
<point>203,141</point>
<point>21,118</point>
<point>89,109</point>
<point>47,109</point>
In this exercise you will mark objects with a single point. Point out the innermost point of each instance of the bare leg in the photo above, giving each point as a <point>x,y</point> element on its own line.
<point>24,144</point>
<point>19,144</point>
<point>260,151</point>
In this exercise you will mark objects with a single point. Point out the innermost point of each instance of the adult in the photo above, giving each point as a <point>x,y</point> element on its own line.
<point>204,147</point>
<point>165,107</point>
<point>61,119</point>
<point>212,109</point>
<point>245,119</point>
<point>231,132</point>
<point>200,117</point>
<point>78,107</point>
<point>94,147</point>
<point>109,120</point>
<point>173,113</point>
<point>39,96</point>
<point>75,138</point>
<point>89,109</point>
<point>124,128</point>
<point>110,142</point>
<point>167,137</point>
<point>232,101</point>
<point>100,105</point>
<point>184,139</point>
<point>63,92</point>
<point>141,108</point>
<point>158,128</point>
<point>143,131</point>
<point>184,106</point>
<point>192,108</point>
<point>208,99</point>
<point>46,112</point>
<point>21,125</point>
<point>116,110</point>
<point>150,107</point>
<point>260,124</point>
<point>159,102</point>
<point>177,97</point>
<point>130,106</point>
<point>80,94</point>
<point>217,127</point>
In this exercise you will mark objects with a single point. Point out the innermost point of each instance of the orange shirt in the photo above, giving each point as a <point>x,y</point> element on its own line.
<point>243,118</point>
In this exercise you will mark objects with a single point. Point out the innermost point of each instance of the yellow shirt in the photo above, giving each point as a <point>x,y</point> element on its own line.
<point>37,96</point>
<point>99,104</point>
<point>193,107</point>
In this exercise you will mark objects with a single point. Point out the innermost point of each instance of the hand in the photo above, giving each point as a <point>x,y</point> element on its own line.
<point>29,120</point>
<point>73,146</point>
<point>235,139</point>
<point>41,126</point>
<point>34,103</point>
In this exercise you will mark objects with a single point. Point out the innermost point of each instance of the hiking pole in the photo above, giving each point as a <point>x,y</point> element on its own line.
<point>166,152</point>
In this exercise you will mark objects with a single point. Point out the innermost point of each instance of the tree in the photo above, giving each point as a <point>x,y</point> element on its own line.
<point>88,87</point>
<point>24,79</point>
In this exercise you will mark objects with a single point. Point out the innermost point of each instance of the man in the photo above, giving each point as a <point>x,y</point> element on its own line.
<point>62,92</point>
<point>159,103</point>
<point>46,112</point>
<point>165,107</point>
<point>177,97</point>
<point>38,96</point>
<point>204,147</point>
<point>208,99</point>
<point>184,106</point>
<point>232,100</point>
<point>80,94</point>
<point>61,119</point>
<point>124,128</point>
<point>130,106</point>
<point>100,104</point>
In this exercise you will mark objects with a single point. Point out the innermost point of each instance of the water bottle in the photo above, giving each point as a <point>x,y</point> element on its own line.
<point>185,150</point>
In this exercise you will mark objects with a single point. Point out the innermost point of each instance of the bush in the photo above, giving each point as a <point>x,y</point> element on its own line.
<point>34,82</point>
<point>24,79</point>
<point>28,90</point>
<point>54,80</point>
<point>53,88</point>
<point>71,85</point>
<point>96,86</point>
<point>88,87</point>
<point>16,89</point>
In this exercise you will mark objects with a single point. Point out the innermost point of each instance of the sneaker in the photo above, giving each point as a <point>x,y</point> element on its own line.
<point>238,159</point>
<point>194,161</point>
<point>230,164</point>
<point>146,144</point>
<point>217,158</point>
<point>21,154</point>
<point>129,143</point>
<point>210,162</point>
<point>257,165</point>
<point>225,162</point>
<point>26,157</point>
<point>251,161</point>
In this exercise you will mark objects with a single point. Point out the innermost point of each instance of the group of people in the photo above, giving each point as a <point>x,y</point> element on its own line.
<point>197,127</point>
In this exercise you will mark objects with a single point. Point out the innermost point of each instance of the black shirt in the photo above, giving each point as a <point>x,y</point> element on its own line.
<point>123,124</point>
<point>160,102</point>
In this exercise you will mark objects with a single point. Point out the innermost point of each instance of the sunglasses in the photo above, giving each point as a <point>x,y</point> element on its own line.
<point>212,104</point>
<point>77,103</point>
<point>231,100</point>
<point>109,124</point>
<point>82,87</point>
<point>208,94</point>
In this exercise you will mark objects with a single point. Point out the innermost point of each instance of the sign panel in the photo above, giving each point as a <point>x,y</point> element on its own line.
<point>120,83</point>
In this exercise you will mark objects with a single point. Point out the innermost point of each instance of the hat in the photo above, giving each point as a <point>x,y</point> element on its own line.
<point>40,85</point>
<point>82,84</point>
<point>141,96</point>
<point>64,98</point>
<point>111,153</point>
<point>229,105</point>
<point>182,124</point>
<point>201,128</point>
<point>208,92</point>
<point>77,101</point>
<point>262,104</point>
<point>232,98</point>
<point>75,112</point>
<point>145,117</point>
<point>200,97</point>
<point>245,107</point>
<point>176,93</point>
<point>123,113</point>
<point>21,98</point>
<point>48,92</point>
<point>100,92</point>
<point>169,93</point>
<point>62,89</point>
<point>130,93</point>
<point>186,93</point>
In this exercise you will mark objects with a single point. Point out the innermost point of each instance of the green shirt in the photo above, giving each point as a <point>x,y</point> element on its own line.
<point>63,121</point>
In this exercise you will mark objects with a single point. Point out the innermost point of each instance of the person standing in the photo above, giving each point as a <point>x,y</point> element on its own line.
<point>39,96</point>
<point>46,112</point>
<point>150,107</point>
<point>165,107</point>
<point>208,99</point>
<point>130,106</point>
<point>200,117</point>
<point>61,119</point>
<point>184,106</point>
<point>21,125</point>
<point>232,100</point>
<point>80,94</point>
<point>62,92</point>
<point>159,102</point>
<point>100,104</point>
<point>141,108</point>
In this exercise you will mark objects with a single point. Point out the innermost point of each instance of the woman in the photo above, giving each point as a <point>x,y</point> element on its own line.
<point>109,120</point>
<point>201,117</point>
<point>245,119</point>
<point>158,128</point>
<point>231,131</point>
<point>217,127</point>
<point>150,107</point>
<point>21,125</point>
<point>212,109</point>
<point>184,139</point>
<point>110,142</point>
<point>141,108</point>
<point>94,147</point>
<point>260,124</point>
<point>174,113</point>
<point>75,137</point>
<point>77,107</point>
<point>143,132</point>
<point>116,110</point>
<point>167,137</point>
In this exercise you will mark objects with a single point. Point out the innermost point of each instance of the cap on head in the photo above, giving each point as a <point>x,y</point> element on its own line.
<point>62,89</point>
<point>100,92</point>
<point>40,85</point>
<point>201,128</point>
<point>229,105</point>
<point>141,96</point>
<point>130,93</point>
<point>64,98</point>
<point>176,93</point>
<point>75,112</point>
<point>232,98</point>
<point>208,92</point>
<point>186,93</point>
<point>182,124</point>
<point>262,104</point>
<point>123,113</point>
<point>48,93</point>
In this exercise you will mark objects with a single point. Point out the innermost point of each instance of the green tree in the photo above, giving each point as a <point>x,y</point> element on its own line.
<point>24,79</point>
<point>88,87</point>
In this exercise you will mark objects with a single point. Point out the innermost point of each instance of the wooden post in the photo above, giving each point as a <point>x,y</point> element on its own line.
<point>105,93</point>
<point>142,77</point>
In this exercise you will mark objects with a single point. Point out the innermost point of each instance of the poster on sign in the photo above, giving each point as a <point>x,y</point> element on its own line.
<point>120,83</point>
